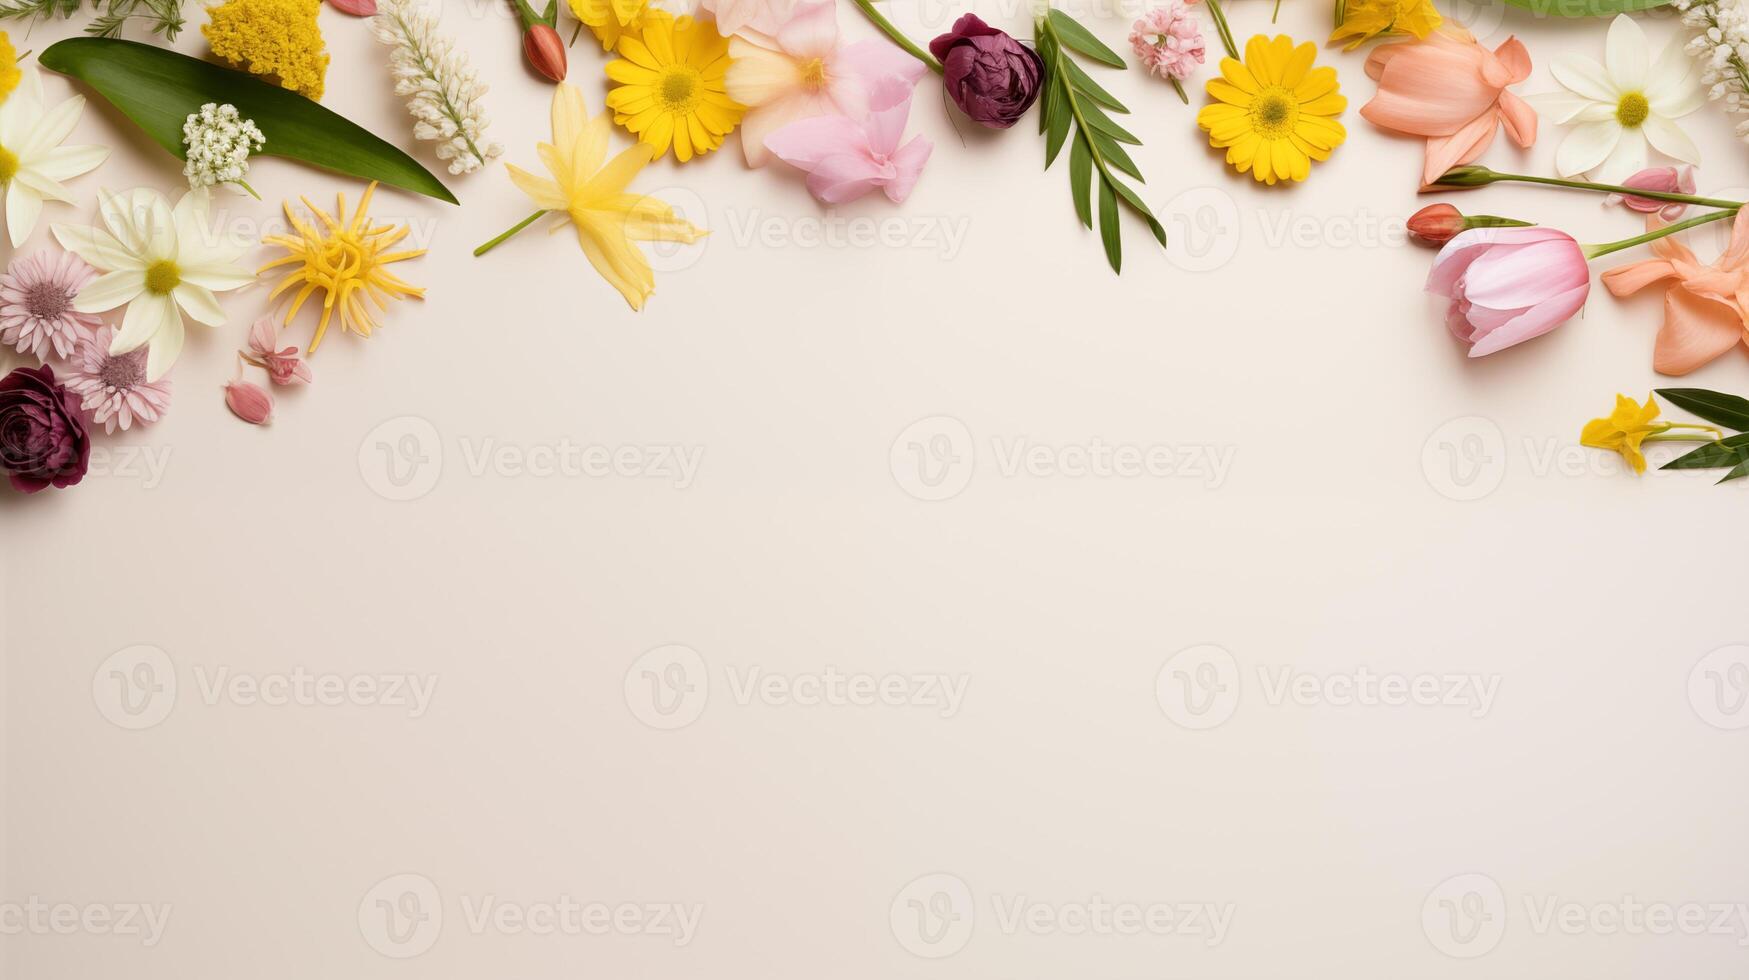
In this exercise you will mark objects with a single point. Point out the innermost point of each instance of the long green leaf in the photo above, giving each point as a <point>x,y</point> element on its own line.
<point>1114,154</point>
<point>1135,202</point>
<point>1726,452</point>
<point>1085,84</point>
<point>1105,124</point>
<point>1716,407</point>
<point>1078,38</point>
<point>1056,118</point>
<point>1585,8</point>
<point>1109,232</point>
<point>158,89</point>
<point>1081,179</point>
<point>1737,472</point>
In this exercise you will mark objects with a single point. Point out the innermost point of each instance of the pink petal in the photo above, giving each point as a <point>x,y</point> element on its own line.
<point>1534,322</point>
<point>805,143</point>
<point>1695,331</point>
<point>838,179</point>
<point>909,163</point>
<point>1525,276</point>
<point>1463,146</point>
<point>812,30</point>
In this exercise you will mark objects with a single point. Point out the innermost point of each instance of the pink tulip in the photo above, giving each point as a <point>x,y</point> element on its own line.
<point>1670,180</point>
<point>1452,91</point>
<point>1508,285</point>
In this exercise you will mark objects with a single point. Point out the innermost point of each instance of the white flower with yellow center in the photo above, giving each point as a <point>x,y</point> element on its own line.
<point>32,160</point>
<point>1618,107</point>
<point>160,262</point>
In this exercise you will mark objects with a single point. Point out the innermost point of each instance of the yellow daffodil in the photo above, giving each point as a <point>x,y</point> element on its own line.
<point>593,198</point>
<point>1624,429</point>
<point>670,88</point>
<point>1359,21</point>
<point>1274,113</point>
<point>610,20</point>
<point>346,261</point>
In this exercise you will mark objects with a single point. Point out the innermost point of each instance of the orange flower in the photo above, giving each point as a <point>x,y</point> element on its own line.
<point>1704,309</point>
<point>1451,91</point>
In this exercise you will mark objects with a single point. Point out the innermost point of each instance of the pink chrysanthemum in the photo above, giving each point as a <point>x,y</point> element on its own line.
<point>114,385</point>
<point>36,304</point>
<point>1168,40</point>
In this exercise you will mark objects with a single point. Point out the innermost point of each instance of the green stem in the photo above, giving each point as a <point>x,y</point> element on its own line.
<point>879,20</point>
<point>1179,88</point>
<point>1665,435</point>
<point>501,239</point>
<point>1493,221</point>
<point>1593,251</point>
<point>1222,29</point>
<point>245,185</point>
<point>1586,185</point>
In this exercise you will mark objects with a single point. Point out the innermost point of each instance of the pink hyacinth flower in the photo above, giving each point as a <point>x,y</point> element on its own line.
<point>1669,180</point>
<point>1508,285</point>
<point>1168,41</point>
<point>283,366</point>
<point>846,159</point>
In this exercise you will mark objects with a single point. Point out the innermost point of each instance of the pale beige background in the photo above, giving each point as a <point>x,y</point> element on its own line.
<point>1381,504</point>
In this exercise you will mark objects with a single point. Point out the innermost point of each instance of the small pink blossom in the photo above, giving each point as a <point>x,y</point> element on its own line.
<point>1168,40</point>
<point>283,366</point>
<point>846,159</point>
<point>1670,180</point>
<point>36,304</point>
<point>114,386</point>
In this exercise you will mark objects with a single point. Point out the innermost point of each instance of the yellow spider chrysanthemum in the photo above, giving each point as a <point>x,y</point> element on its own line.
<point>1274,113</point>
<point>1359,21</point>
<point>593,197</point>
<point>671,87</point>
<point>609,20</point>
<point>347,261</point>
<point>9,73</point>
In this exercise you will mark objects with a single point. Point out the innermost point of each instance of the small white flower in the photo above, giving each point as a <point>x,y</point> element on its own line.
<point>32,160</point>
<point>219,141</point>
<point>1616,108</point>
<point>160,263</point>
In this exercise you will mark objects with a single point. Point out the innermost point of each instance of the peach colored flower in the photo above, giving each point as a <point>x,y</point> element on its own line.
<point>1704,309</point>
<point>1452,91</point>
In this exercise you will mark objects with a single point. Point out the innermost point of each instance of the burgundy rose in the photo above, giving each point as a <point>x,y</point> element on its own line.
<point>42,433</point>
<point>992,77</point>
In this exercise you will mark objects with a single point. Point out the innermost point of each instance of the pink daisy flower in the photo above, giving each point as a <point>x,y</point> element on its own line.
<point>36,304</point>
<point>1168,40</point>
<point>114,385</point>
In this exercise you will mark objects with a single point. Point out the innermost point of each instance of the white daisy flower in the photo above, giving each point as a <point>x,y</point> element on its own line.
<point>161,263</point>
<point>32,160</point>
<point>1616,108</point>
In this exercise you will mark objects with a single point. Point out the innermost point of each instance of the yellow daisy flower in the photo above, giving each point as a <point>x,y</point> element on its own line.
<point>9,73</point>
<point>1274,113</point>
<point>609,20</point>
<point>670,86</point>
<point>593,197</point>
<point>1359,21</point>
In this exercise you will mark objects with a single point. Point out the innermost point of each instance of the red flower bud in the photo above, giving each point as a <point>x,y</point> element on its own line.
<point>545,51</point>
<point>1436,224</point>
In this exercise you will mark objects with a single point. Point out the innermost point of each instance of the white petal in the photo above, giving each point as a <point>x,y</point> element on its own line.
<point>1582,76</point>
<point>96,246</point>
<point>23,207</point>
<point>1668,138</point>
<point>45,188</point>
<point>1628,158</point>
<point>67,162</point>
<point>140,323</point>
<point>1626,55</point>
<point>1586,146</point>
<point>160,231</point>
<point>109,291</point>
<point>128,214</point>
<point>166,343</point>
<point>200,303</point>
<point>1564,107</point>
<point>217,276</point>
<point>52,128</point>
<point>1674,90</point>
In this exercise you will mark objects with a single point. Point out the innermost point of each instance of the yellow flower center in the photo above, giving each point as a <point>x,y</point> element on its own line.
<point>162,276</point>
<point>679,89</point>
<point>8,165</point>
<point>1274,112</point>
<point>814,74</point>
<point>1632,110</point>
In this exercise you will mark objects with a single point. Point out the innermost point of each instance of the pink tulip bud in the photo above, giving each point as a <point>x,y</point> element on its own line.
<point>1669,180</point>
<point>545,51</point>
<point>249,402</point>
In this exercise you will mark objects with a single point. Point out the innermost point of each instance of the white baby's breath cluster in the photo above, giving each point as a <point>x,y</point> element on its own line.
<point>445,93</point>
<point>219,141</point>
<point>1721,44</point>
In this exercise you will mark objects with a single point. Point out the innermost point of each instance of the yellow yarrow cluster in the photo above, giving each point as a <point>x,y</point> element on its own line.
<point>277,39</point>
<point>9,73</point>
